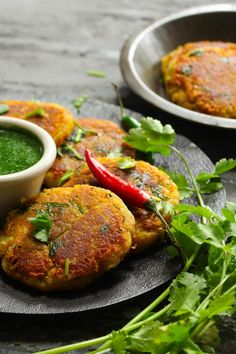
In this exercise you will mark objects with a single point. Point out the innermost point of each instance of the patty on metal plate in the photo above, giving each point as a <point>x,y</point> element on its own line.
<point>201,76</point>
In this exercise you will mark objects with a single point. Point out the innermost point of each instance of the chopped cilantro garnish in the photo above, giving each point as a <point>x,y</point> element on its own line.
<point>65,177</point>
<point>38,112</point>
<point>96,73</point>
<point>69,148</point>
<point>187,70</point>
<point>67,267</point>
<point>4,108</point>
<point>104,228</point>
<point>196,52</point>
<point>42,223</point>
<point>126,163</point>
<point>78,102</point>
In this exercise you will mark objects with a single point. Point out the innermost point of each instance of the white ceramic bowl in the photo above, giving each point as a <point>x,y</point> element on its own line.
<point>26,183</point>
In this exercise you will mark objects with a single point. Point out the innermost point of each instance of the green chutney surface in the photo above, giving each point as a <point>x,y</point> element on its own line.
<point>18,150</point>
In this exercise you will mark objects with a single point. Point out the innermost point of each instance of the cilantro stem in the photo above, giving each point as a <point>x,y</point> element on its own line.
<point>129,327</point>
<point>181,156</point>
<point>75,346</point>
<point>213,291</point>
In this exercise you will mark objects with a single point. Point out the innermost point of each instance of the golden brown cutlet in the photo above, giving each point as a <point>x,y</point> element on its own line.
<point>90,233</point>
<point>102,137</point>
<point>201,76</point>
<point>55,119</point>
<point>148,228</point>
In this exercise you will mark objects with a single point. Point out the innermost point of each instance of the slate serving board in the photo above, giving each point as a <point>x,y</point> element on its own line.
<point>136,275</point>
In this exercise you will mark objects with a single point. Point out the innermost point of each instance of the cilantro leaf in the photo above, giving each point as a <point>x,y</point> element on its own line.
<point>151,136</point>
<point>125,163</point>
<point>65,177</point>
<point>205,211</point>
<point>224,165</point>
<point>42,223</point>
<point>118,342</point>
<point>37,112</point>
<point>4,108</point>
<point>211,182</point>
<point>223,304</point>
<point>78,102</point>
<point>185,292</point>
<point>182,183</point>
<point>96,73</point>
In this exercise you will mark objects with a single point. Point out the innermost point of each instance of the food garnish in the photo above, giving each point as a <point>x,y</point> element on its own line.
<point>4,108</point>
<point>205,288</point>
<point>125,163</point>
<point>96,73</point>
<point>78,102</point>
<point>42,223</point>
<point>37,112</point>
<point>65,177</point>
<point>67,267</point>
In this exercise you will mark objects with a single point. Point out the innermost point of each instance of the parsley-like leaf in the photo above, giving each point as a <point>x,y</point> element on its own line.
<point>151,136</point>
<point>66,176</point>
<point>78,102</point>
<point>118,342</point>
<point>126,162</point>
<point>96,73</point>
<point>211,182</point>
<point>185,292</point>
<point>42,223</point>
<point>37,112</point>
<point>4,108</point>
<point>182,183</point>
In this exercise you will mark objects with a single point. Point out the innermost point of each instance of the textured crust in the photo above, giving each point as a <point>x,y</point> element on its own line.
<point>148,228</point>
<point>103,137</point>
<point>58,121</point>
<point>90,226</point>
<point>201,76</point>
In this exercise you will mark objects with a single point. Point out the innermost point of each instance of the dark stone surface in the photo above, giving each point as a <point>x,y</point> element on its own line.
<point>46,48</point>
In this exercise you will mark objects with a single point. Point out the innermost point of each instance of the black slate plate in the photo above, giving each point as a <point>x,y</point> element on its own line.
<point>135,275</point>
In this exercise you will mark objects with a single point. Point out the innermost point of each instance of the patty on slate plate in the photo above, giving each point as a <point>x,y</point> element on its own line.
<point>102,137</point>
<point>148,228</point>
<point>65,238</point>
<point>54,118</point>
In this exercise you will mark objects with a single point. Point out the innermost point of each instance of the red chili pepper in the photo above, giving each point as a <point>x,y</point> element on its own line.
<point>123,189</point>
<point>126,191</point>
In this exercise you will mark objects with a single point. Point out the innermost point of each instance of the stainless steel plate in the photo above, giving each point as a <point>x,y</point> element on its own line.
<point>141,54</point>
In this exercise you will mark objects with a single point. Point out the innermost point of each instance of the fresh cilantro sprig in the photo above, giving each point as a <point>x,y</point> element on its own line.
<point>205,288</point>
<point>211,182</point>
<point>151,136</point>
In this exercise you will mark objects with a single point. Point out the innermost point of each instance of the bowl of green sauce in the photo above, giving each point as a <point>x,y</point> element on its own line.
<point>26,153</point>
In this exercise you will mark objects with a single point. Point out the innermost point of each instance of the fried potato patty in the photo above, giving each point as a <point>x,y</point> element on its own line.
<point>201,76</point>
<point>54,118</point>
<point>90,233</point>
<point>102,137</point>
<point>148,228</point>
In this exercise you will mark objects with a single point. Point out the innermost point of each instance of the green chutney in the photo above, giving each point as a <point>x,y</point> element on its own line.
<point>19,150</point>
